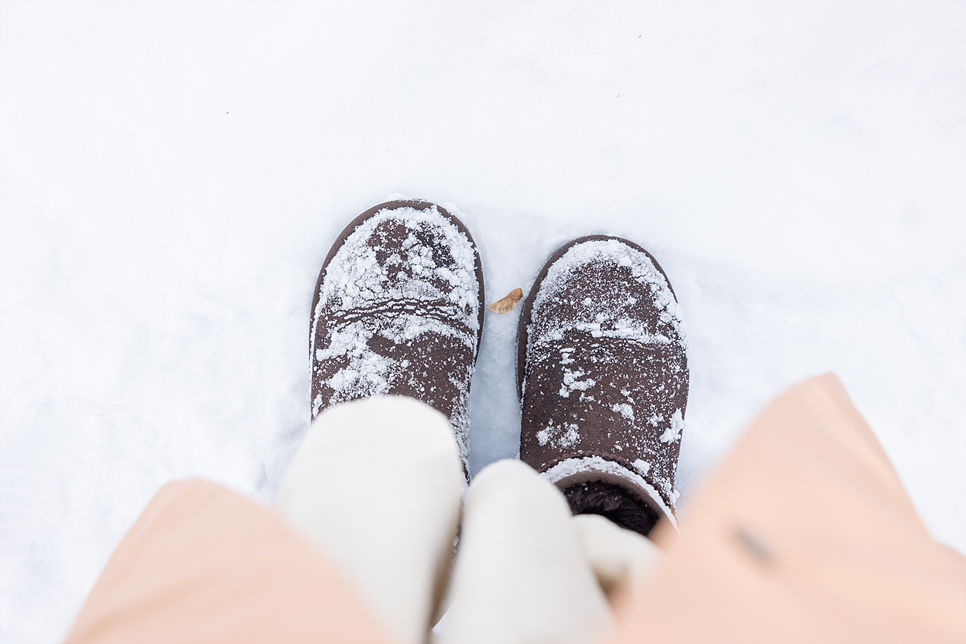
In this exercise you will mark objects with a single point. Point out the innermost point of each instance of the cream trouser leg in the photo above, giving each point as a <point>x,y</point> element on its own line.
<point>520,575</point>
<point>376,486</point>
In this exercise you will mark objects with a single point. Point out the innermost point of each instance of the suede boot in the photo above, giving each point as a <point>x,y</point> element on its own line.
<point>603,378</point>
<point>398,310</point>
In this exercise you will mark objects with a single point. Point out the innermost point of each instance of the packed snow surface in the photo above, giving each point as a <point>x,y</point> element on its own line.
<point>173,174</point>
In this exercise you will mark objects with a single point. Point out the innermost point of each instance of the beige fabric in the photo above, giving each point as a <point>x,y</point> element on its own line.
<point>804,534</point>
<point>376,487</point>
<point>202,564</point>
<point>616,555</point>
<point>520,577</point>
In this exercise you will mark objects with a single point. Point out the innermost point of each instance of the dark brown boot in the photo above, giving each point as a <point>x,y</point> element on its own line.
<point>398,310</point>
<point>603,375</point>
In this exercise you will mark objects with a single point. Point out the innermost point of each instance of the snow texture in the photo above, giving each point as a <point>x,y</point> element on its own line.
<point>622,325</point>
<point>172,176</point>
<point>673,432</point>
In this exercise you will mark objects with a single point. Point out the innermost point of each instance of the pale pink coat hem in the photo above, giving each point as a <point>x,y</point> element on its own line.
<point>804,534</point>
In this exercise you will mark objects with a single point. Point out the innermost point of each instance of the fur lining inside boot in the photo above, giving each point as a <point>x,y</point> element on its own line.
<point>614,503</point>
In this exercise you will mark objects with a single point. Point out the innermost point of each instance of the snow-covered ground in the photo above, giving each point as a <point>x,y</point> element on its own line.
<point>172,174</point>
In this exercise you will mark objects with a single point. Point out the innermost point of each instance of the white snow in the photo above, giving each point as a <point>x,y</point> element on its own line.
<point>172,175</point>
<point>354,278</point>
<point>642,466</point>
<point>674,430</point>
<point>624,410</point>
<point>554,285</point>
<point>572,383</point>
<point>560,436</point>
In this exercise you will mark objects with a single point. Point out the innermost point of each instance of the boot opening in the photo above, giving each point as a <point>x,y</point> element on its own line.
<point>612,502</point>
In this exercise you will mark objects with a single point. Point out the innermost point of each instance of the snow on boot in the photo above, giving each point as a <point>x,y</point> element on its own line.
<point>398,310</point>
<point>602,373</point>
